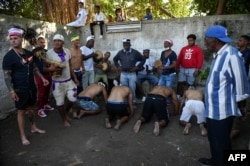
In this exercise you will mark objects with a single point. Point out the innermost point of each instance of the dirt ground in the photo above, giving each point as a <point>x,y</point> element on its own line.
<point>88,143</point>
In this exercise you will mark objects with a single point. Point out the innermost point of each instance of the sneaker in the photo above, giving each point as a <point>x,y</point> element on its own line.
<point>143,99</point>
<point>100,36</point>
<point>41,113</point>
<point>205,162</point>
<point>48,107</point>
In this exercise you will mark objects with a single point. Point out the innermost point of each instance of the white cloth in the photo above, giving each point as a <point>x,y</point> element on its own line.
<point>193,107</point>
<point>99,17</point>
<point>149,62</point>
<point>89,63</point>
<point>81,19</point>
<point>52,55</point>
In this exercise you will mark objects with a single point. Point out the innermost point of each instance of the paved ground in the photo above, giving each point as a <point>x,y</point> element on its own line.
<point>88,143</point>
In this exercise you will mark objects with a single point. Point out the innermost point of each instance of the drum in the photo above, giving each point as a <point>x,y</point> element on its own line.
<point>98,56</point>
<point>105,66</point>
<point>158,63</point>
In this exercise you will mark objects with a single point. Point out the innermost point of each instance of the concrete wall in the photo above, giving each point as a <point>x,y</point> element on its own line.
<point>152,35</point>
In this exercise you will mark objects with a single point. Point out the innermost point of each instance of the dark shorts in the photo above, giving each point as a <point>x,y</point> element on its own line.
<point>155,104</point>
<point>26,98</point>
<point>117,108</point>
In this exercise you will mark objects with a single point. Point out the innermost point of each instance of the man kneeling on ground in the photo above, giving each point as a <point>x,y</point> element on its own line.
<point>84,99</point>
<point>156,103</point>
<point>117,106</point>
<point>194,105</point>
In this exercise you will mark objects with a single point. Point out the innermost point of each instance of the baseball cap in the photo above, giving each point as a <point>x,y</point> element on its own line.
<point>15,32</point>
<point>125,40</point>
<point>58,37</point>
<point>219,32</point>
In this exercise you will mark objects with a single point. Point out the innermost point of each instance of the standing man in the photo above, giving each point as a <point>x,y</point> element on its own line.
<point>125,62</point>
<point>168,59</point>
<point>62,84</point>
<point>98,20</point>
<point>81,16</point>
<point>147,73</point>
<point>88,60</point>
<point>189,63</point>
<point>226,86</point>
<point>19,70</point>
<point>43,91</point>
<point>77,60</point>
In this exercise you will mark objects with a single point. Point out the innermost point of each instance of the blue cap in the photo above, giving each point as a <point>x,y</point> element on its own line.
<point>219,32</point>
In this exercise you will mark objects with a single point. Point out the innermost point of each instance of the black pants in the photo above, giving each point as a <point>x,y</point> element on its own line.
<point>101,23</point>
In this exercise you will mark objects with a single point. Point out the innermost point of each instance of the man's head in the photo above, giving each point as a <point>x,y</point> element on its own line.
<point>216,37</point>
<point>168,43</point>
<point>90,41</point>
<point>16,37</point>
<point>148,11</point>
<point>58,40</point>
<point>126,44</point>
<point>243,41</point>
<point>191,39</point>
<point>81,3</point>
<point>106,55</point>
<point>97,8</point>
<point>75,40</point>
<point>146,53</point>
<point>41,42</point>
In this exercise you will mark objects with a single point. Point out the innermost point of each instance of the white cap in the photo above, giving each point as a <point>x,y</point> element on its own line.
<point>90,38</point>
<point>82,1</point>
<point>15,32</point>
<point>58,37</point>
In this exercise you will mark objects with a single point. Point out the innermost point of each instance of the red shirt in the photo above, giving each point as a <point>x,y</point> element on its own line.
<point>190,57</point>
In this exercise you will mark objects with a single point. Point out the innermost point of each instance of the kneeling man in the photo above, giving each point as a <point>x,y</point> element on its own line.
<point>156,103</point>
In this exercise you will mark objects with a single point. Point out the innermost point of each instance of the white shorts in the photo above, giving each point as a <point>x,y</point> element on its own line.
<point>60,89</point>
<point>193,107</point>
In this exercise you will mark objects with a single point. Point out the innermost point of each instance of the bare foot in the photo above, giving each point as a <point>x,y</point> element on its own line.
<point>137,126</point>
<point>82,112</point>
<point>74,115</point>
<point>37,130</point>
<point>107,124</point>
<point>118,124</point>
<point>25,141</point>
<point>156,130</point>
<point>186,129</point>
<point>66,123</point>
<point>203,130</point>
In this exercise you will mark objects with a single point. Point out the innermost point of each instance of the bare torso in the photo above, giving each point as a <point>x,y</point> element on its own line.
<point>161,90</point>
<point>92,90</point>
<point>77,59</point>
<point>194,95</point>
<point>119,94</point>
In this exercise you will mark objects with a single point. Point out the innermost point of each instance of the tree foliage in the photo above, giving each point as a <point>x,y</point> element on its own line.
<point>64,11</point>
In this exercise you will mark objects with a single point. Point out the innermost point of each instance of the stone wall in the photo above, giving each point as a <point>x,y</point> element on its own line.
<point>151,36</point>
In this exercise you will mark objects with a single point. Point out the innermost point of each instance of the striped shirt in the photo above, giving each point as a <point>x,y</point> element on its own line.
<point>226,84</point>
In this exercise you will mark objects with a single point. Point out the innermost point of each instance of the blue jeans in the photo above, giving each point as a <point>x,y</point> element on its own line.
<point>167,80</point>
<point>129,79</point>
<point>88,78</point>
<point>151,78</point>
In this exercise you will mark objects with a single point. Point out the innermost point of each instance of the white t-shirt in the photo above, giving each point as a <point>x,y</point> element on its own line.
<point>99,17</point>
<point>89,63</point>
<point>150,62</point>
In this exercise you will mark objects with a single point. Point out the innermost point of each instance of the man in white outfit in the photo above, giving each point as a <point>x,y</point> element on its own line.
<point>81,16</point>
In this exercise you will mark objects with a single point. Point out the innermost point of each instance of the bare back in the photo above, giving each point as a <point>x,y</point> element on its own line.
<point>119,93</point>
<point>161,90</point>
<point>93,90</point>
<point>193,95</point>
<point>77,58</point>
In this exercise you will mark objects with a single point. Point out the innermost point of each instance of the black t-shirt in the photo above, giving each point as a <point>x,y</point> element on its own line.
<point>22,69</point>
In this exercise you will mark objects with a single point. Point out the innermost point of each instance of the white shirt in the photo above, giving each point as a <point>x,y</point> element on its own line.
<point>81,16</point>
<point>149,62</point>
<point>99,16</point>
<point>89,63</point>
